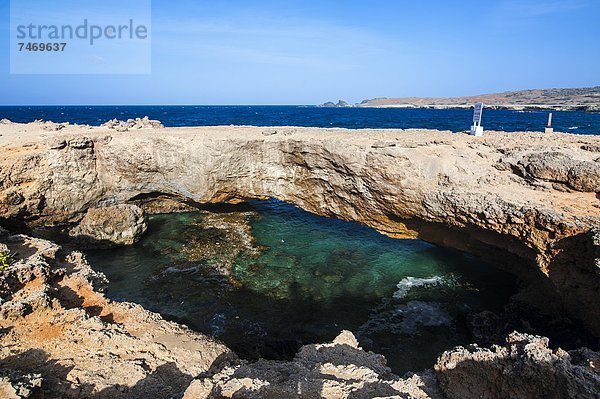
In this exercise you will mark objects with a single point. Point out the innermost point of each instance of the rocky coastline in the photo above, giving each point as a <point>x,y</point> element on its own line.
<point>407,104</point>
<point>585,99</point>
<point>527,201</point>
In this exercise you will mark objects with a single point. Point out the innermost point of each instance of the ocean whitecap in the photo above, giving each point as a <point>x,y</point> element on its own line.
<point>408,283</point>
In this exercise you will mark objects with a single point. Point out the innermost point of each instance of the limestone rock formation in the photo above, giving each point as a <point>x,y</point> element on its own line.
<point>15,385</point>
<point>52,126</point>
<point>525,368</point>
<point>137,123</point>
<point>339,369</point>
<point>61,338</point>
<point>122,224</point>
<point>506,197</point>
<point>557,167</point>
<point>595,248</point>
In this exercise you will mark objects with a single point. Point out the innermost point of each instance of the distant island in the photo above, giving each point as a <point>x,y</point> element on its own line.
<point>582,99</point>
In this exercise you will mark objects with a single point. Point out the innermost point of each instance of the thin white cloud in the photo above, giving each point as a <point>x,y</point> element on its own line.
<point>271,28</point>
<point>297,42</point>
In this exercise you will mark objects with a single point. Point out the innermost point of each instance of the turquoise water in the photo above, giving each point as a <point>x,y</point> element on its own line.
<point>314,277</point>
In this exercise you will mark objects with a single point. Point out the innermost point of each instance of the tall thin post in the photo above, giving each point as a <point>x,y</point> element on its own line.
<point>476,128</point>
<point>549,128</point>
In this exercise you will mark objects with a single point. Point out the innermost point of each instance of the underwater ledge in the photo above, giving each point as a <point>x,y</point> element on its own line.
<point>488,197</point>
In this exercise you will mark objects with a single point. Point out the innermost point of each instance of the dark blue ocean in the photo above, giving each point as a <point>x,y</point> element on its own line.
<point>354,118</point>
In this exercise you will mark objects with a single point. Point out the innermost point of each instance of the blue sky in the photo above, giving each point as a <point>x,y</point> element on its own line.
<point>291,52</point>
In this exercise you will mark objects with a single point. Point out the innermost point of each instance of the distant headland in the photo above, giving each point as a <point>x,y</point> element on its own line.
<point>579,99</point>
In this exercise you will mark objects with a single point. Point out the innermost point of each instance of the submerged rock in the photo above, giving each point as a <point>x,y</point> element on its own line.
<point>219,238</point>
<point>122,224</point>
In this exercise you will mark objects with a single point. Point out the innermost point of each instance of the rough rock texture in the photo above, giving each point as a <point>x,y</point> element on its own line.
<point>160,203</point>
<point>137,123</point>
<point>61,338</point>
<point>122,224</point>
<point>52,126</point>
<point>339,369</point>
<point>451,189</point>
<point>525,368</point>
<point>595,247</point>
<point>559,168</point>
<point>15,385</point>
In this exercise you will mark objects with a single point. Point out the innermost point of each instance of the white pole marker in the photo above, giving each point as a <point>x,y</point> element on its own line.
<point>477,129</point>
<point>549,128</point>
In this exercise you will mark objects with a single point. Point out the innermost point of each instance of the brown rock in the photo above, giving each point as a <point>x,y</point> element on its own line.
<point>339,369</point>
<point>442,187</point>
<point>137,123</point>
<point>525,368</point>
<point>112,225</point>
<point>560,168</point>
<point>82,344</point>
<point>16,385</point>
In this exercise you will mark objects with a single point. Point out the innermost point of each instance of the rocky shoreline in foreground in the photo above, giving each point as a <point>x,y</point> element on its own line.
<point>61,337</point>
<point>527,200</point>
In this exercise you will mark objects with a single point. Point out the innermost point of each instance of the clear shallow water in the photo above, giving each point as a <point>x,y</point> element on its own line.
<point>405,299</point>
<point>354,118</point>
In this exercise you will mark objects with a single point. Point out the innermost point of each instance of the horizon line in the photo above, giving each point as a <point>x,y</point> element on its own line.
<point>597,86</point>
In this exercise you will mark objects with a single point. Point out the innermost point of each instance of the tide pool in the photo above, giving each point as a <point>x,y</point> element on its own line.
<point>311,278</point>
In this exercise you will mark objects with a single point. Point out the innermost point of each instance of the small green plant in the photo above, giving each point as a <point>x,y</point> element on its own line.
<point>6,260</point>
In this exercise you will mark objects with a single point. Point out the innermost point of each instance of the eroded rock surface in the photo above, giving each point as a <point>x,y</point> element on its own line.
<point>122,224</point>
<point>61,338</point>
<point>16,385</point>
<point>490,196</point>
<point>339,369</point>
<point>557,167</point>
<point>525,368</point>
<point>137,123</point>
